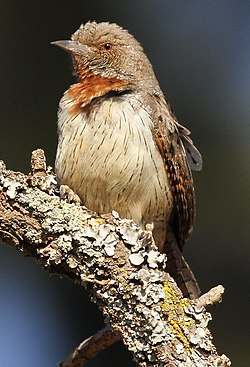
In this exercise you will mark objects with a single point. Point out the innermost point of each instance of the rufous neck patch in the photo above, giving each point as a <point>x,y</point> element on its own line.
<point>92,86</point>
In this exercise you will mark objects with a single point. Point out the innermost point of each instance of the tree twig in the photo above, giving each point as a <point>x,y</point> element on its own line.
<point>90,347</point>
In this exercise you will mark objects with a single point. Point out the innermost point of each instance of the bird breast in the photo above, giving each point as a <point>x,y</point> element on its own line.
<point>107,155</point>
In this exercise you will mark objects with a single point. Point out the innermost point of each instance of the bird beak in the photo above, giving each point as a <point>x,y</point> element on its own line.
<point>72,46</point>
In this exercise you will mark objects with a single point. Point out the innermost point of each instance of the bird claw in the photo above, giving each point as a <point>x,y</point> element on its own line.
<point>149,227</point>
<point>67,194</point>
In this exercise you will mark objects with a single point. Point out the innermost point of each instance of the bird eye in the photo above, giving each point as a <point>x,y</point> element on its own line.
<point>107,46</point>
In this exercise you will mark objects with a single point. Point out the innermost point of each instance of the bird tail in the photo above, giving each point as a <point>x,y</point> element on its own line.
<point>179,269</point>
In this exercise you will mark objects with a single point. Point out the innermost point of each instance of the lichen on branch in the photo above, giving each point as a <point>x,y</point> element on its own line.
<point>116,261</point>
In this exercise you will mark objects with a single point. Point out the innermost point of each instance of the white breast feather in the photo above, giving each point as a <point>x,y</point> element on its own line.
<point>111,161</point>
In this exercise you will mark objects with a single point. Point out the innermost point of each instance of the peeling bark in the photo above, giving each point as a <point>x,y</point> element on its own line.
<point>117,262</point>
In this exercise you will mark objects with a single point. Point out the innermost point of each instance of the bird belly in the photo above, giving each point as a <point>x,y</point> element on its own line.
<point>108,156</point>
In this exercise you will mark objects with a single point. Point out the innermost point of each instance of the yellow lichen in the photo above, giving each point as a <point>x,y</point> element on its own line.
<point>174,308</point>
<point>99,220</point>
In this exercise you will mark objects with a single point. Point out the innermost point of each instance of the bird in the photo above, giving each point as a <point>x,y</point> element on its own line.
<point>120,146</point>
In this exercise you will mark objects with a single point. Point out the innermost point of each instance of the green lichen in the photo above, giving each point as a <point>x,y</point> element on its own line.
<point>174,308</point>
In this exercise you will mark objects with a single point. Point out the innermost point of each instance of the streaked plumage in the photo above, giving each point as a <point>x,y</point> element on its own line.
<point>120,146</point>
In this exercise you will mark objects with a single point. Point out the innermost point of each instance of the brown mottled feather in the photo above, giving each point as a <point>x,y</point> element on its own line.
<point>168,136</point>
<point>169,142</point>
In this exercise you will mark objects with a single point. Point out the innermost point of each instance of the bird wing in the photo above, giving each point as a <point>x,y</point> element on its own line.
<point>175,146</point>
<point>193,155</point>
<point>179,154</point>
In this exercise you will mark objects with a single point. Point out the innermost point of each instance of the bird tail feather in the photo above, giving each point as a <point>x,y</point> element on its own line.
<point>179,269</point>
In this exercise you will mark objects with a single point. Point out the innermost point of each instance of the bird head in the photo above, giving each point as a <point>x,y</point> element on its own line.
<point>108,51</point>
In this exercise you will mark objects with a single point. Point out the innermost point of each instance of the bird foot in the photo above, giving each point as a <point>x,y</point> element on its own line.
<point>66,193</point>
<point>149,227</point>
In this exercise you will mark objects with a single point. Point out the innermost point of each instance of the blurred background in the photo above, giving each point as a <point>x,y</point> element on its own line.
<point>200,51</point>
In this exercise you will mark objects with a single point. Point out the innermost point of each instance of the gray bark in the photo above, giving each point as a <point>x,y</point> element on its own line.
<point>116,261</point>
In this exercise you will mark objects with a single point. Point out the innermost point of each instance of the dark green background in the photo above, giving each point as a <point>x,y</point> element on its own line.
<point>201,55</point>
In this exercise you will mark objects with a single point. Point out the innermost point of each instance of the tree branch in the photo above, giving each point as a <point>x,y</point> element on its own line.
<point>116,261</point>
<point>90,347</point>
